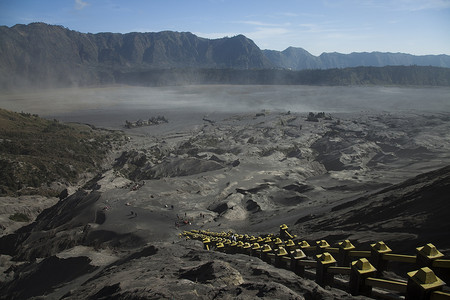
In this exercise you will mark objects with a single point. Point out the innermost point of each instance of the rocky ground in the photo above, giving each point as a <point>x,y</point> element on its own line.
<point>334,176</point>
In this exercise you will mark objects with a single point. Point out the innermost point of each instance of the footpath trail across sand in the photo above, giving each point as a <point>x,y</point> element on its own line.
<point>126,212</point>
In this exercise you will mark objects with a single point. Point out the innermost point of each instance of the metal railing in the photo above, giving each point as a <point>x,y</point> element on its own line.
<point>364,269</point>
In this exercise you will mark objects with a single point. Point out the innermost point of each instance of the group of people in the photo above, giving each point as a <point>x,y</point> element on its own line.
<point>182,221</point>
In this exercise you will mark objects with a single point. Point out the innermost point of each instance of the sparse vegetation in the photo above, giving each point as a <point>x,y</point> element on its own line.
<point>35,152</point>
<point>388,75</point>
<point>19,217</point>
<point>150,122</point>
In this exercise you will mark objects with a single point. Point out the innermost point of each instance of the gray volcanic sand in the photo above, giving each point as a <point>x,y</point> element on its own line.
<point>243,158</point>
<point>361,109</point>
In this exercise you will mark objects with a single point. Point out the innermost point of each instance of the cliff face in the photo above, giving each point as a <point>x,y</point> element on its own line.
<point>293,58</point>
<point>46,54</point>
<point>41,55</point>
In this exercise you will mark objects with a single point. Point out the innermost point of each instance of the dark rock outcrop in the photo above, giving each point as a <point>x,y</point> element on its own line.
<point>63,226</point>
<point>33,280</point>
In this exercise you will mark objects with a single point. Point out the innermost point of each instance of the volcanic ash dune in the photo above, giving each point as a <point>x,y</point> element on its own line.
<point>337,176</point>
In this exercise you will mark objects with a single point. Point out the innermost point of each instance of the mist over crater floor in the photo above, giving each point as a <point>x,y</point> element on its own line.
<point>111,106</point>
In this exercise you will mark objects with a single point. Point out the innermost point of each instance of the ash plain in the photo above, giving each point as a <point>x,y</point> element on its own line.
<point>241,158</point>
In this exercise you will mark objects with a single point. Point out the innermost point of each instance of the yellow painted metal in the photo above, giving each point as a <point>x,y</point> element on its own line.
<point>362,265</point>
<point>278,241</point>
<point>290,243</point>
<point>439,295</point>
<point>298,254</point>
<point>441,263</point>
<point>322,244</point>
<point>325,258</point>
<point>429,251</point>
<point>390,285</point>
<point>426,278</point>
<point>256,246</point>
<point>266,248</point>
<point>380,247</point>
<point>399,258</point>
<point>282,252</point>
<point>346,245</point>
<point>304,244</point>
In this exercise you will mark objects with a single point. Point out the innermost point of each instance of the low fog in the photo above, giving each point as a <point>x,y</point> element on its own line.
<point>110,106</point>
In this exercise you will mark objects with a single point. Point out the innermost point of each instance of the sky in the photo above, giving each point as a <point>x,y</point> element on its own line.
<point>418,27</point>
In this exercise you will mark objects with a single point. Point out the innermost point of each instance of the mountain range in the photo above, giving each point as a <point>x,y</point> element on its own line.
<point>300,59</point>
<point>42,54</point>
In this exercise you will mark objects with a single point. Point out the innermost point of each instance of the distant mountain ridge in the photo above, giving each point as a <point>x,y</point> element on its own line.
<point>300,59</point>
<point>39,54</point>
<point>38,51</point>
<point>166,49</point>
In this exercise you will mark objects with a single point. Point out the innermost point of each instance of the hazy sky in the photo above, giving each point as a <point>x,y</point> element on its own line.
<point>411,26</point>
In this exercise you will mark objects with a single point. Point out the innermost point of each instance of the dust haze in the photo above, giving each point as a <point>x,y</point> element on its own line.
<point>110,106</point>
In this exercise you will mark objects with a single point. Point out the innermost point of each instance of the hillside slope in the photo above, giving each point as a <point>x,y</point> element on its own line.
<point>56,55</point>
<point>389,75</point>
<point>35,153</point>
<point>406,215</point>
<point>42,55</point>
